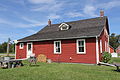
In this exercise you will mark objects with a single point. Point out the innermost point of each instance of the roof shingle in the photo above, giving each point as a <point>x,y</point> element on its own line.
<point>79,29</point>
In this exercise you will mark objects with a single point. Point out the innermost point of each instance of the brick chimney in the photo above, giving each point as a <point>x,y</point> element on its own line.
<point>49,22</point>
<point>101,13</point>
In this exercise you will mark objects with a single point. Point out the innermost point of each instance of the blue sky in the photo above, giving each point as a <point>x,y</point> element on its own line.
<point>20,18</point>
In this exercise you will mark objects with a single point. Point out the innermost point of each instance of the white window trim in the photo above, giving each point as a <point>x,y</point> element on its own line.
<point>31,49</point>
<point>55,48</point>
<point>62,25</point>
<point>20,45</point>
<point>84,46</point>
<point>100,46</point>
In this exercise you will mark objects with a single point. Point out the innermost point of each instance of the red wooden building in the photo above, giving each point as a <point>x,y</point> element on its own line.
<point>118,50</point>
<point>111,49</point>
<point>80,41</point>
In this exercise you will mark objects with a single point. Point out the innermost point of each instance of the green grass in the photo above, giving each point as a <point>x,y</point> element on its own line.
<point>6,53</point>
<point>60,71</point>
<point>117,60</point>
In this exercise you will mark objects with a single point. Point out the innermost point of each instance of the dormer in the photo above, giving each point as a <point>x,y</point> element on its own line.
<point>64,26</point>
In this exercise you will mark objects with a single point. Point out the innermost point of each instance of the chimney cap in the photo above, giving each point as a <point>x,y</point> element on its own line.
<point>101,13</point>
<point>49,22</point>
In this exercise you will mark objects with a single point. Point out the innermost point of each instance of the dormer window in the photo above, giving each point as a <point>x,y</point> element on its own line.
<point>64,26</point>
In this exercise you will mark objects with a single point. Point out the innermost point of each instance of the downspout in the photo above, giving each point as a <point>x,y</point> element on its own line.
<point>97,52</point>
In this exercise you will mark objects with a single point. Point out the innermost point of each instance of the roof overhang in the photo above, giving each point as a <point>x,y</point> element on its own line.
<point>58,38</point>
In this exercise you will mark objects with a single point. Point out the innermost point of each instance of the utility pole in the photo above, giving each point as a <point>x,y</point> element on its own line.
<point>8,46</point>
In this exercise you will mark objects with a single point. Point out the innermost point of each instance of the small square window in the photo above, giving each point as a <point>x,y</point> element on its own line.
<point>21,45</point>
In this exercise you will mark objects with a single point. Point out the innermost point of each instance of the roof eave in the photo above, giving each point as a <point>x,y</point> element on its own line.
<point>56,39</point>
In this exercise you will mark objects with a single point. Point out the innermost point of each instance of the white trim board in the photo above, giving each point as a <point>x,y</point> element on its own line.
<point>55,47</point>
<point>84,46</point>
<point>97,51</point>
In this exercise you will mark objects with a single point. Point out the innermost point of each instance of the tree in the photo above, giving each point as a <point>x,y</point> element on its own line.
<point>3,47</point>
<point>114,40</point>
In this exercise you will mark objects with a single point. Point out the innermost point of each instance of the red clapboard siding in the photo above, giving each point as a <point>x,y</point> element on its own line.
<point>21,53</point>
<point>68,50</point>
<point>103,37</point>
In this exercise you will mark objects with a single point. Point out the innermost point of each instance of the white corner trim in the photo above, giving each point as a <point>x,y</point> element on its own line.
<point>97,52</point>
<point>101,46</point>
<point>84,46</point>
<point>55,47</point>
<point>15,50</point>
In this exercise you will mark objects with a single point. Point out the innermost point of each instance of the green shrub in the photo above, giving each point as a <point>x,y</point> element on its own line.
<point>106,57</point>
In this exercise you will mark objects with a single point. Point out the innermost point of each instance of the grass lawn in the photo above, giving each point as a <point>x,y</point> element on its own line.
<point>116,60</point>
<point>60,71</point>
<point>6,53</point>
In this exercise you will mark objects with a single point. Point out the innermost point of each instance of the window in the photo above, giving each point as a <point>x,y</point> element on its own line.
<point>81,46</point>
<point>57,47</point>
<point>21,45</point>
<point>64,26</point>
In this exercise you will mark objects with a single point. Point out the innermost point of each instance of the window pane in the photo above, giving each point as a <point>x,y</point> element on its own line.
<point>29,47</point>
<point>81,49</point>
<point>21,45</point>
<point>57,49</point>
<point>82,43</point>
<point>78,43</point>
<point>58,44</point>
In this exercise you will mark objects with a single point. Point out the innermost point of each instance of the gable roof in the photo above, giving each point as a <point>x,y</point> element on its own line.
<point>78,29</point>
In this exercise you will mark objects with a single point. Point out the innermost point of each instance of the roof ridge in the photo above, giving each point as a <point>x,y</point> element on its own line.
<point>78,20</point>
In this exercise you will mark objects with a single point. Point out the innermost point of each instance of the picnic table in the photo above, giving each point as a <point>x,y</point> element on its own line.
<point>11,63</point>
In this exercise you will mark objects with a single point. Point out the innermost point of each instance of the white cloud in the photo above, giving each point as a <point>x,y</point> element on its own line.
<point>3,8</point>
<point>75,14</point>
<point>4,37</point>
<point>31,31</point>
<point>40,1</point>
<point>53,16</point>
<point>89,10</point>
<point>29,20</point>
<point>53,7</point>
<point>21,25</point>
<point>109,5</point>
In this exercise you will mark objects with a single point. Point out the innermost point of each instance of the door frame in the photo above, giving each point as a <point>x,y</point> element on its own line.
<point>31,48</point>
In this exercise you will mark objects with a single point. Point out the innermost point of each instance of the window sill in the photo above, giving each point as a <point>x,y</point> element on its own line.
<point>57,53</point>
<point>20,48</point>
<point>81,53</point>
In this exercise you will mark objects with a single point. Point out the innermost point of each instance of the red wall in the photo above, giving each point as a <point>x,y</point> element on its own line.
<point>111,50</point>
<point>21,53</point>
<point>104,37</point>
<point>118,50</point>
<point>68,48</point>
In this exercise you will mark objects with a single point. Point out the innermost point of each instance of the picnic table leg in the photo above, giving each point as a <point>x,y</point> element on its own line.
<point>8,64</point>
<point>117,68</point>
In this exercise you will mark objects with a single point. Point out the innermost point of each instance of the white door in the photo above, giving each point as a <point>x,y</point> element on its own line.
<point>29,49</point>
